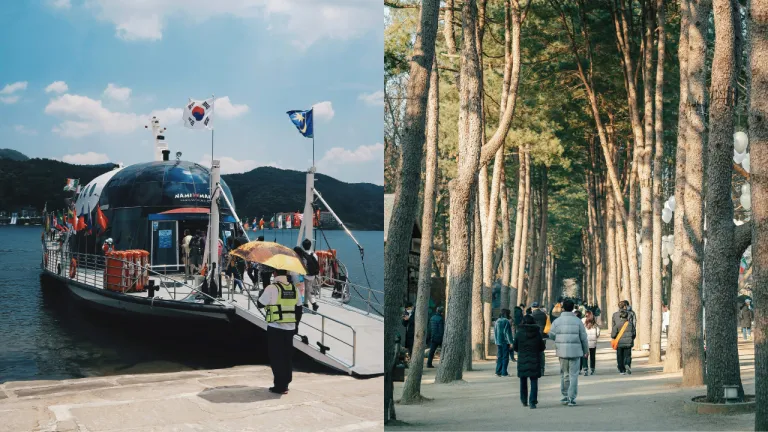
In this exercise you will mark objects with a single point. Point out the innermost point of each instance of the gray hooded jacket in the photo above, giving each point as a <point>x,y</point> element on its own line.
<point>569,335</point>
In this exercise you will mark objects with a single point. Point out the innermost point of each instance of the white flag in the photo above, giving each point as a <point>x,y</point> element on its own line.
<point>199,114</point>
<point>280,221</point>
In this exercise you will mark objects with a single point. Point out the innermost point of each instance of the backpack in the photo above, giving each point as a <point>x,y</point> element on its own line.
<point>313,267</point>
<point>196,245</point>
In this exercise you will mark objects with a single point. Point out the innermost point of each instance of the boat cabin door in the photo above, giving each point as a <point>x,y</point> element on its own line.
<point>165,245</point>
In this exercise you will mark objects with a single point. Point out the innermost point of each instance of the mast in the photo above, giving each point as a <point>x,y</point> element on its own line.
<point>159,137</point>
<point>213,242</point>
<point>305,230</point>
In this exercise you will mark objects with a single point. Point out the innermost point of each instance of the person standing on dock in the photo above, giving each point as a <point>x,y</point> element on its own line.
<point>313,270</point>
<point>185,247</point>
<point>280,299</point>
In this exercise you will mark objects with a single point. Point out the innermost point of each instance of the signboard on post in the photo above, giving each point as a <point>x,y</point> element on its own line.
<point>164,239</point>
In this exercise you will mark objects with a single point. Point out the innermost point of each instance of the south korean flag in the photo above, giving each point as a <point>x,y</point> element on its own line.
<point>199,114</point>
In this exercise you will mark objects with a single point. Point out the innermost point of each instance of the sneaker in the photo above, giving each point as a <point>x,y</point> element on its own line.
<point>564,400</point>
<point>572,402</point>
<point>275,390</point>
<point>586,372</point>
<point>430,367</point>
<point>315,307</point>
<point>525,404</point>
<point>629,371</point>
<point>498,375</point>
<point>533,406</point>
<point>592,372</point>
<point>622,373</point>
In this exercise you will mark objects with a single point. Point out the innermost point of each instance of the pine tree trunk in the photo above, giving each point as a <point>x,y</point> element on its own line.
<point>757,25</point>
<point>478,326</point>
<point>516,292</point>
<point>489,241</point>
<point>612,286</point>
<point>407,190</point>
<point>692,252</point>
<point>470,140</point>
<point>542,246</point>
<point>506,245</point>
<point>522,293</point>
<point>412,387</point>
<point>655,354</point>
<point>720,260</point>
<point>673,359</point>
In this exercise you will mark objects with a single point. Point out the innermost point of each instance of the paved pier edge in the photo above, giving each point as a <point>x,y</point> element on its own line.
<point>204,400</point>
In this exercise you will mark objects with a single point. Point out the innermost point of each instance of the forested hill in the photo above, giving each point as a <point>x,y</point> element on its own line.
<point>268,190</point>
<point>260,192</point>
<point>12,154</point>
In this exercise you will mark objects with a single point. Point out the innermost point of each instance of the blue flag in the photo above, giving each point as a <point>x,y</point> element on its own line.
<point>303,121</point>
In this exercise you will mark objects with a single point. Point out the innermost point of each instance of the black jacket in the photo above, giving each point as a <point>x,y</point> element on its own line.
<point>409,325</point>
<point>541,320</point>
<point>632,317</point>
<point>628,338</point>
<point>746,316</point>
<point>529,344</point>
<point>518,316</point>
<point>436,328</point>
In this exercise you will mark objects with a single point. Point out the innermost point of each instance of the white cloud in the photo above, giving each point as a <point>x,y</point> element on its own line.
<point>340,156</point>
<point>305,21</point>
<point>88,158</point>
<point>61,4</point>
<point>13,88</point>
<point>373,99</point>
<point>323,111</point>
<point>114,92</point>
<point>23,130</point>
<point>226,109</point>
<point>92,116</point>
<point>231,165</point>
<point>9,99</point>
<point>57,87</point>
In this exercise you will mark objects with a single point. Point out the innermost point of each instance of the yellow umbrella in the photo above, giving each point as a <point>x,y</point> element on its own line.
<point>272,254</point>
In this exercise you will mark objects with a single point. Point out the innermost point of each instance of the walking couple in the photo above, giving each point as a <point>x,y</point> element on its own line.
<point>571,343</point>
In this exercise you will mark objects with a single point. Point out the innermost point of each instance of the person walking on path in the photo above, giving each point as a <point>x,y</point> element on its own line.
<point>409,322</point>
<point>436,330</point>
<point>624,330</point>
<point>541,320</point>
<point>593,332</point>
<point>503,333</point>
<point>280,299</point>
<point>746,316</point>
<point>625,306</point>
<point>572,344</point>
<point>529,345</point>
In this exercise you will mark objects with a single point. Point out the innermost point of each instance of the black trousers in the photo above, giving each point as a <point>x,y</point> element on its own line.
<point>265,279</point>
<point>524,397</point>
<point>432,348</point>
<point>280,350</point>
<point>623,358</point>
<point>591,360</point>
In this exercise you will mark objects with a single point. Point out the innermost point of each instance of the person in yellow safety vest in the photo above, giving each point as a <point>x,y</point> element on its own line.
<point>108,246</point>
<point>280,301</point>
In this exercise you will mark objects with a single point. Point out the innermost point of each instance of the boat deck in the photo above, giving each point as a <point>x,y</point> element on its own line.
<point>354,338</point>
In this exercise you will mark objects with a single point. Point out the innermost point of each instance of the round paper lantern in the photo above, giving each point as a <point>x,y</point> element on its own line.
<point>738,157</point>
<point>666,215</point>
<point>740,141</point>
<point>745,163</point>
<point>746,201</point>
<point>672,203</point>
<point>746,189</point>
<point>666,261</point>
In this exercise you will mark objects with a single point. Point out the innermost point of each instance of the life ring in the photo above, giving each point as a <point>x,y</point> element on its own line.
<point>72,268</point>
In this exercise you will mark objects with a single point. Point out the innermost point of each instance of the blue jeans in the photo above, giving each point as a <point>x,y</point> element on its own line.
<point>534,396</point>
<point>746,332</point>
<point>432,348</point>
<point>502,360</point>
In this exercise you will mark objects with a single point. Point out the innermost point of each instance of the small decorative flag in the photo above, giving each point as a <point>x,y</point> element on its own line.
<point>280,221</point>
<point>198,114</point>
<point>272,222</point>
<point>261,223</point>
<point>303,121</point>
<point>101,219</point>
<point>288,221</point>
<point>297,217</point>
<point>71,184</point>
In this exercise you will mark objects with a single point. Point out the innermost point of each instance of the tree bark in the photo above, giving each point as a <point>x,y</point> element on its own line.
<point>611,261</point>
<point>541,254</point>
<point>757,76</point>
<point>655,354</point>
<point>489,241</point>
<point>522,292</point>
<point>516,292</point>
<point>720,260</point>
<point>673,359</point>
<point>407,190</point>
<point>506,245</point>
<point>470,140</point>
<point>692,252</point>
<point>478,327</point>
<point>412,387</point>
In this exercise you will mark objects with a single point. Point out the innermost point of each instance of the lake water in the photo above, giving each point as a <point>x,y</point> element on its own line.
<point>46,334</point>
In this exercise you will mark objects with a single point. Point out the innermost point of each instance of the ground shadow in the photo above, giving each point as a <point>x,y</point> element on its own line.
<point>237,394</point>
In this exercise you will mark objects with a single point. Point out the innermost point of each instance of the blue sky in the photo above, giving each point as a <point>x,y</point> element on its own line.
<point>80,79</point>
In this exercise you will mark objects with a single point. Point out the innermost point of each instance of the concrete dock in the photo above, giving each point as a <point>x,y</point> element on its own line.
<point>233,399</point>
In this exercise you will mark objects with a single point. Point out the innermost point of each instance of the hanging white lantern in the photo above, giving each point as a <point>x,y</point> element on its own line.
<point>738,157</point>
<point>740,141</point>
<point>672,203</point>
<point>672,258</point>
<point>666,215</point>
<point>746,201</point>
<point>746,189</point>
<point>666,261</point>
<point>745,163</point>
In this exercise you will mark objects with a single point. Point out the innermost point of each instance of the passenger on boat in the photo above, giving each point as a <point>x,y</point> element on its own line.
<point>108,246</point>
<point>280,299</point>
<point>309,257</point>
<point>196,248</point>
<point>265,271</point>
<point>185,248</point>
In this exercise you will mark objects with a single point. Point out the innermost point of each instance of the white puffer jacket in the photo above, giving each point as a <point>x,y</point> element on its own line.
<point>592,334</point>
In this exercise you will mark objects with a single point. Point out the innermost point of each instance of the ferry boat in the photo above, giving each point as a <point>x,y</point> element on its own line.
<point>148,206</point>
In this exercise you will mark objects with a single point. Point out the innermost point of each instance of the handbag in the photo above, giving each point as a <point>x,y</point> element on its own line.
<point>547,326</point>
<point>615,342</point>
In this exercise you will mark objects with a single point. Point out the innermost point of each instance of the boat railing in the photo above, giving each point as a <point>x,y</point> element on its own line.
<point>373,305</point>
<point>249,288</point>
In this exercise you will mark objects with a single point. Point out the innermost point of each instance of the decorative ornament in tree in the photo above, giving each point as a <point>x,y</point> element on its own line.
<point>740,141</point>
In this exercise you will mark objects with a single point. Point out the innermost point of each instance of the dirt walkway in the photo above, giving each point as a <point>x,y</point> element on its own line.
<point>646,400</point>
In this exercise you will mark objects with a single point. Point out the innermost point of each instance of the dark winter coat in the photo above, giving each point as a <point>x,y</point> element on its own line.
<point>529,344</point>
<point>632,317</point>
<point>628,338</point>
<point>541,320</point>
<point>436,328</point>
<point>518,318</point>
<point>409,325</point>
<point>746,316</point>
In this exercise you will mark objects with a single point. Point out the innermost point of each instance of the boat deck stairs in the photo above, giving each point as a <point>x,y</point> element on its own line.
<point>344,337</point>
